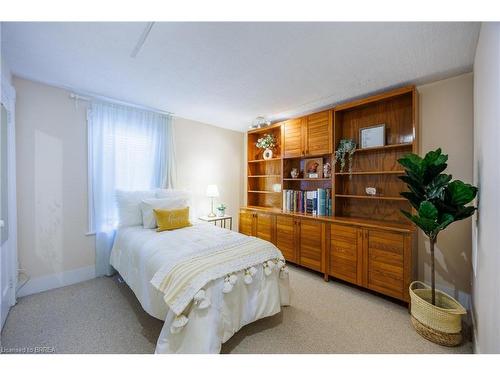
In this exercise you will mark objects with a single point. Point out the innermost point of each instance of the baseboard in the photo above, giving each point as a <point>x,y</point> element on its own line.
<point>58,280</point>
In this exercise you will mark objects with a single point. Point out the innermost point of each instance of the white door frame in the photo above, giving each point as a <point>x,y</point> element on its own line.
<point>8,292</point>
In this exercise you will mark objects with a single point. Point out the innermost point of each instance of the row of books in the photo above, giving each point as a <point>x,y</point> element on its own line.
<point>315,202</point>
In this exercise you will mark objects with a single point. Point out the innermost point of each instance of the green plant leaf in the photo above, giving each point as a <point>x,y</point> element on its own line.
<point>427,210</point>
<point>428,226</point>
<point>446,219</point>
<point>435,189</point>
<point>413,165</point>
<point>460,193</point>
<point>465,212</point>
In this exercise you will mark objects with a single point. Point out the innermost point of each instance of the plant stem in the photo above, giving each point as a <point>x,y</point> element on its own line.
<point>433,277</point>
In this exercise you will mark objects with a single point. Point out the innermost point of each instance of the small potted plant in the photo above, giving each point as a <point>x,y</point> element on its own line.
<point>346,147</point>
<point>221,210</point>
<point>267,143</point>
<point>437,201</point>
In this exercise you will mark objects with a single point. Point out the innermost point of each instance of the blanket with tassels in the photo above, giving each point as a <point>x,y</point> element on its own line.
<point>181,281</point>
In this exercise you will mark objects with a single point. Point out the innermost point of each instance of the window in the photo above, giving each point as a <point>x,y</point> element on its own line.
<point>129,149</point>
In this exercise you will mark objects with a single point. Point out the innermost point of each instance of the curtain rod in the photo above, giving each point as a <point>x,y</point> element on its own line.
<point>75,96</point>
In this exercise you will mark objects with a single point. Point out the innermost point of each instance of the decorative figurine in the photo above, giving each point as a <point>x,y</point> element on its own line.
<point>327,170</point>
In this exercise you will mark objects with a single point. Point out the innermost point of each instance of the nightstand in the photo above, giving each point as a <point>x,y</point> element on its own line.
<point>222,220</point>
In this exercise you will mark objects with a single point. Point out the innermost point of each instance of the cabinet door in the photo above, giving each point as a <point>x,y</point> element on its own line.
<point>292,138</point>
<point>264,226</point>
<point>311,244</point>
<point>385,262</point>
<point>285,237</point>
<point>346,247</point>
<point>318,134</point>
<point>246,223</point>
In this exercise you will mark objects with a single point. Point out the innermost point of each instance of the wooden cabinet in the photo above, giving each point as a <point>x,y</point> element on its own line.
<point>376,258</point>
<point>308,136</point>
<point>311,244</point>
<point>386,260</point>
<point>257,224</point>
<point>318,134</point>
<point>346,253</point>
<point>264,226</point>
<point>246,223</point>
<point>285,237</point>
<point>293,131</point>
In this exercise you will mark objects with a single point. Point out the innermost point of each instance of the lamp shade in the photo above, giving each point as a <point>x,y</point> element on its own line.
<point>212,191</point>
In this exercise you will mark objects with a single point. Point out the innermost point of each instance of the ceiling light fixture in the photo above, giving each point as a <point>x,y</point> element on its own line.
<point>142,39</point>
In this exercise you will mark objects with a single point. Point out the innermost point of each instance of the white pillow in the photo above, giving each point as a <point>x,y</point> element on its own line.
<point>148,205</point>
<point>172,193</point>
<point>129,206</point>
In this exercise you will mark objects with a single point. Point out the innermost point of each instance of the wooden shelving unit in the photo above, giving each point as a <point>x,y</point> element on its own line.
<point>377,166</point>
<point>264,174</point>
<point>366,241</point>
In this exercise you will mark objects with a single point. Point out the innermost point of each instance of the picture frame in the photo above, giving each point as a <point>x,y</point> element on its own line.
<point>372,136</point>
<point>313,168</point>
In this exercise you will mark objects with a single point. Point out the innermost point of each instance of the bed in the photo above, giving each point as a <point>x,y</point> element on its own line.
<point>203,281</point>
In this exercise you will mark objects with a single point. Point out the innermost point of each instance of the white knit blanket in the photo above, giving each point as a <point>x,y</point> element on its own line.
<point>181,279</point>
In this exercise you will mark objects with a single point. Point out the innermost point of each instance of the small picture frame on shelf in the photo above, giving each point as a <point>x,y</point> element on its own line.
<point>313,168</point>
<point>372,136</point>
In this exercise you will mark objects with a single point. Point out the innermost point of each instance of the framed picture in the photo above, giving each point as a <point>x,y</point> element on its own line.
<point>313,168</point>
<point>372,136</point>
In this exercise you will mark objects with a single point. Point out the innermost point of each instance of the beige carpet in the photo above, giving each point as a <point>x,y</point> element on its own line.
<point>103,316</point>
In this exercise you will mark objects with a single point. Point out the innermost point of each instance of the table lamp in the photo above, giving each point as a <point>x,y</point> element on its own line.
<point>212,192</point>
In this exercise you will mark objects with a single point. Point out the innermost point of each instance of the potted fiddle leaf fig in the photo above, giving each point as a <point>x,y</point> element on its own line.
<point>438,201</point>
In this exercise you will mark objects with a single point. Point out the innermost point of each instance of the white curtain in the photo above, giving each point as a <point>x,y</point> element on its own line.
<point>129,149</point>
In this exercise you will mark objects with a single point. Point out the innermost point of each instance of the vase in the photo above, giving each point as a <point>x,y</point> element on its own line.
<point>268,154</point>
<point>221,212</point>
<point>294,173</point>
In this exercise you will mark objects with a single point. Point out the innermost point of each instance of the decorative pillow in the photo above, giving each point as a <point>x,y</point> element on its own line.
<point>172,219</point>
<point>148,205</point>
<point>129,206</point>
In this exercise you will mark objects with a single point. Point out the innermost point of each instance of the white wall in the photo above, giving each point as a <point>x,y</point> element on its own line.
<point>52,180</point>
<point>486,278</point>
<point>446,121</point>
<point>209,155</point>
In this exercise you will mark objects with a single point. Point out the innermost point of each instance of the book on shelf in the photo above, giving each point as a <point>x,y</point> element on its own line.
<point>314,202</point>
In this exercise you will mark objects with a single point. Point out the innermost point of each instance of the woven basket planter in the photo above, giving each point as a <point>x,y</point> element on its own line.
<point>440,323</point>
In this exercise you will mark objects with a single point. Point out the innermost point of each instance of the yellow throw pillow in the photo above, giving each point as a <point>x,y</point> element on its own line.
<point>172,219</point>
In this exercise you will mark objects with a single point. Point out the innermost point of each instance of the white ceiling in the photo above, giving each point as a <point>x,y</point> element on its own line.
<point>226,74</point>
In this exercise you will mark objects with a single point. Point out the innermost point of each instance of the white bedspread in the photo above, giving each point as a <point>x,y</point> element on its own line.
<point>139,253</point>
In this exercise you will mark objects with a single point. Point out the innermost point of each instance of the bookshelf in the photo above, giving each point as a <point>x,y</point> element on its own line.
<point>264,175</point>
<point>365,240</point>
<point>375,167</point>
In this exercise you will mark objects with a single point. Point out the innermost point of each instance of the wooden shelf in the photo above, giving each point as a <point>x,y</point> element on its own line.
<point>369,172</point>
<point>263,160</point>
<point>307,156</point>
<point>387,147</point>
<point>380,197</point>
<point>265,175</point>
<point>264,192</point>
<point>307,179</point>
